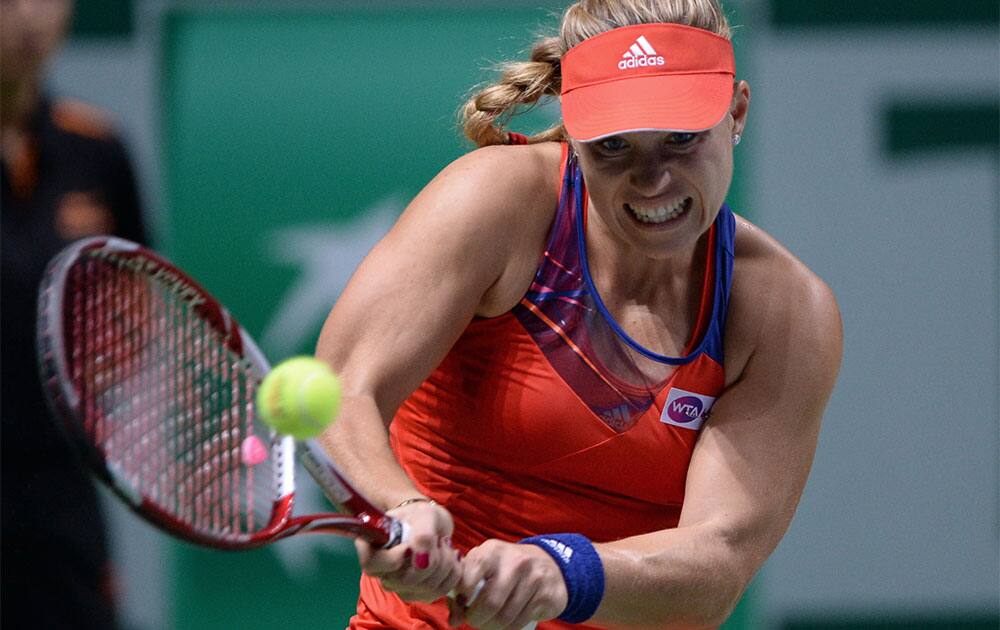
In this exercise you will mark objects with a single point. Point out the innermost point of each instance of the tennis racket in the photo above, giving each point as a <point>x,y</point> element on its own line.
<point>154,382</point>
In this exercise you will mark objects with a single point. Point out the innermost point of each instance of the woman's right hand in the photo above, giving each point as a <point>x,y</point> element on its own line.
<point>423,567</point>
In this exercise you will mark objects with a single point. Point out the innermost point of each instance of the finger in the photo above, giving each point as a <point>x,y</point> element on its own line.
<point>435,584</point>
<point>386,561</point>
<point>378,562</point>
<point>516,610</point>
<point>364,550</point>
<point>493,595</point>
<point>476,590</point>
<point>426,541</point>
<point>429,558</point>
<point>451,573</point>
<point>473,578</point>
<point>430,583</point>
<point>397,581</point>
<point>459,602</point>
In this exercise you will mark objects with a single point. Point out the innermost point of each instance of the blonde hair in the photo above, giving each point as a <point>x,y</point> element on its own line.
<point>523,83</point>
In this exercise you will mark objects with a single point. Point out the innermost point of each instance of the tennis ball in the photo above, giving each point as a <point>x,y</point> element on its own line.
<point>299,397</point>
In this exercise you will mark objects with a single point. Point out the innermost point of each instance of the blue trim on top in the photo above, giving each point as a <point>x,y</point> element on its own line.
<point>541,296</point>
<point>711,341</point>
<point>725,233</point>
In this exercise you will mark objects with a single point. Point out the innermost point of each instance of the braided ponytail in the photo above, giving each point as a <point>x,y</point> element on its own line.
<point>486,114</point>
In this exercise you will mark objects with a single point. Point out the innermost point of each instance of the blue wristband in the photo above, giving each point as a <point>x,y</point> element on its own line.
<point>581,569</point>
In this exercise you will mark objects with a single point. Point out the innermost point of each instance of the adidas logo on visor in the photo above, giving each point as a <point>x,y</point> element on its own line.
<point>640,55</point>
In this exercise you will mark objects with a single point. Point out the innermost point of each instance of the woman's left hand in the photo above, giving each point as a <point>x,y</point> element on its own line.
<point>520,584</point>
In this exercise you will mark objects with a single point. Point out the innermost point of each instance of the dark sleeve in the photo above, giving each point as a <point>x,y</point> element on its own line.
<point>123,196</point>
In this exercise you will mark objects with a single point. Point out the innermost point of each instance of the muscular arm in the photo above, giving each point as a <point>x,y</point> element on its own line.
<point>404,307</point>
<point>456,252</point>
<point>747,471</point>
<point>451,256</point>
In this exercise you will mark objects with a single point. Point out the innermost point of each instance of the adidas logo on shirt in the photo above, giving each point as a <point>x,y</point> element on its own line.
<point>639,55</point>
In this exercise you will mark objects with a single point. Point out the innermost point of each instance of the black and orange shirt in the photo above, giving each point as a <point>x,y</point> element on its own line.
<point>71,179</point>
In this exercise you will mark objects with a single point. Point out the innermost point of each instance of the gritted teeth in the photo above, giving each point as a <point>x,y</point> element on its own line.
<point>660,214</point>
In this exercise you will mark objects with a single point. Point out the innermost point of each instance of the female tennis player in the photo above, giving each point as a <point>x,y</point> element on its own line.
<point>571,362</point>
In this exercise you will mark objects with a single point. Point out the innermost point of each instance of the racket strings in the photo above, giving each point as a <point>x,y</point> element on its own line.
<point>166,403</point>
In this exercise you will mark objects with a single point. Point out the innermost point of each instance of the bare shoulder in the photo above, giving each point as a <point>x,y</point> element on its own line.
<point>495,204</point>
<point>510,164</point>
<point>777,300</point>
<point>457,251</point>
<point>511,194</point>
<point>492,184</point>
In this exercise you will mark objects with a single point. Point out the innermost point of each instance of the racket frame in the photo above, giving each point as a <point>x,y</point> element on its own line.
<point>365,521</point>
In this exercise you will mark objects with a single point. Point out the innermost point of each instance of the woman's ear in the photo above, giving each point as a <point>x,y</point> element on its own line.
<point>740,105</point>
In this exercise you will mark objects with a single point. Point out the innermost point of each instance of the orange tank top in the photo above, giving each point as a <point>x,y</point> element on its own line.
<point>549,418</point>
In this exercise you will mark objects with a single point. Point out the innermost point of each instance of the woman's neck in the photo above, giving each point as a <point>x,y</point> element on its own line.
<point>621,269</point>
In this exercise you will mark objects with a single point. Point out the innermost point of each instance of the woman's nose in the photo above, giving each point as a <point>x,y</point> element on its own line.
<point>651,179</point>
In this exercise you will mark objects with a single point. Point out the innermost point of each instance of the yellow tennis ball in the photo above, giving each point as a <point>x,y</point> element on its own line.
<point>299,397</point>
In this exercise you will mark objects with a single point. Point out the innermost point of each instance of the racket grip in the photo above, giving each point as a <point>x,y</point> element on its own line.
<point>398,531</point>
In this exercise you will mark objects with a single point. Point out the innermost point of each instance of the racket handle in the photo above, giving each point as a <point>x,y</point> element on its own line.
<point>336,488</point>
<point>476,591</point>
<point>398,532</point>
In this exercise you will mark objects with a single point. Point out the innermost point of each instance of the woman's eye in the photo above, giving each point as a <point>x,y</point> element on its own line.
<point>613,144</point>
<point>681,138</point>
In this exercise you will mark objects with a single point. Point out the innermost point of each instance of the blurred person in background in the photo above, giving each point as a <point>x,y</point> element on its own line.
<point>65,176</point>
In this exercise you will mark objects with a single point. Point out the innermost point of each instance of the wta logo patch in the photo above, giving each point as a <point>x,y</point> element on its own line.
<point>686,409</point>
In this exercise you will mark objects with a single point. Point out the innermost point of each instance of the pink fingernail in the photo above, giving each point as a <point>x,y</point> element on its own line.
<point>422,560</point>
<point>407,553</point>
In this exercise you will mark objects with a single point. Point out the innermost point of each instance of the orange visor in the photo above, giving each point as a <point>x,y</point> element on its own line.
<point>663,77</point>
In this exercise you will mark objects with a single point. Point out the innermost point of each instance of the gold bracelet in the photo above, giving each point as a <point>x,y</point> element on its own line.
<point>413,500</point>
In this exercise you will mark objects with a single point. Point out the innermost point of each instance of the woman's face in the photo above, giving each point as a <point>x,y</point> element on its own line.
<point>659,191</point>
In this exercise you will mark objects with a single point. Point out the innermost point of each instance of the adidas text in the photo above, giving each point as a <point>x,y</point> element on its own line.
<point>638,62</point>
